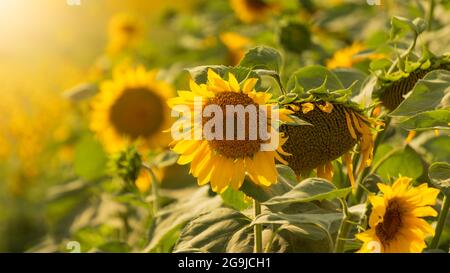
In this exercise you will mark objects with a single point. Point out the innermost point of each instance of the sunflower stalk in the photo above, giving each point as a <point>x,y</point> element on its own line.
<point>257,229</point>
<point>155,189</point>
<point>343,229</point>
<point>430,14</point>
<point>441,222</point>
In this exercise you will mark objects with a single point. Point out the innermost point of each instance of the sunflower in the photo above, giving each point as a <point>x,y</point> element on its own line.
<point>336,129</point>
<point>236,45</point>
<point>131,108</point>
<point>252,11</point>
<point>124,31</point>
<point>347,57</point>
<point>393,93</point>
<point>395,222</point>
<point>225,163</point>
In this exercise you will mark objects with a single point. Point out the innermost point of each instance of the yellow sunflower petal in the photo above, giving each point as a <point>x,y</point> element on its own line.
<point>249,84</point>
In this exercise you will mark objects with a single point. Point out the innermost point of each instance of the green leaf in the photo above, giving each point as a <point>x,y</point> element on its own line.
<point>262,57</point>
<point>295,37</point>
<point>90,159</point>
<point>348,76</point>
<point>401,26</point>
<point>439,173</point>
<point>311,189</point>
<point>165,159</point>
<point>437,119</point>
<point>325,221</point>
<point>380,64</point>
<point>312,77</point>
<point>420,25</point>
<point>235,199</point>
<point>405,162</point>
<point>428,94</point>
<point>300,238</point>
<point>286,180</point>
<point>174,217</point>
<point>212,231</point>
<point>438,148</point>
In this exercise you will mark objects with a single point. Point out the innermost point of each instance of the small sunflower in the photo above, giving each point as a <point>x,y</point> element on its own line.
<point>225,163</point>
<point>131,108</point>
<point>336,129</point>
<point>395,222</point>
<point>252,11</point>
<point>124,31</point>
<point>236,45</point>
<point>347,57</point>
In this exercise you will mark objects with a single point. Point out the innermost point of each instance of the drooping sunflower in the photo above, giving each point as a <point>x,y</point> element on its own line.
<point>236,45</point>
<point>395,222</point>
<point>225,163</point>
<point>347,57</point>
<point>393,91</point>
<point>252,11</point>
<point>131,109</point>
<point>395,86</point>
<point>124,31</point>
<point>336,127</point>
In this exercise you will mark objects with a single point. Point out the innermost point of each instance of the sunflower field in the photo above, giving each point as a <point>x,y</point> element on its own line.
<point>225,126</point>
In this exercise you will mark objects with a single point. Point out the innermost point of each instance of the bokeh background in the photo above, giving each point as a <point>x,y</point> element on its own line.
<point>53,55</point>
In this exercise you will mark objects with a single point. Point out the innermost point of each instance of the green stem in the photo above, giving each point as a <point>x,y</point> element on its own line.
<point>257,228</point>
<point>343,229</point>
<point>272,238</point>
<point>280,84</point>
<point>405,54</point>
<point>155,189</point>
<point>430,14</point>
<point>441,222</point>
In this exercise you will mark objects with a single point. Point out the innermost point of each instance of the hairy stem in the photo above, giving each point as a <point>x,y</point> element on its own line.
<point>441,222</point>
<point>257,228</point>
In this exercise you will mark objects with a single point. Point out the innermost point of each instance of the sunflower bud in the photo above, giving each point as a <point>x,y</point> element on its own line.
<point>126,164</point>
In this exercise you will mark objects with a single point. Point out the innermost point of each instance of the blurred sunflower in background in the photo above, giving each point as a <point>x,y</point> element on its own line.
<point>396,222</point>
<point>131,108</point>
<point>236,45</point>
<point>125,31</point>
<point>253,11</point>
<point>349,56</point>
<point>225,163</point>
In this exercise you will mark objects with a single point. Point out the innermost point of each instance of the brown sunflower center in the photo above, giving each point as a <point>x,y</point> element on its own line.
<point>256,4</point>
<point>129,29</point>
<point>137,113</point>
<point>312,146</point>
<point>236,147</point>
<point>392,221</point>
